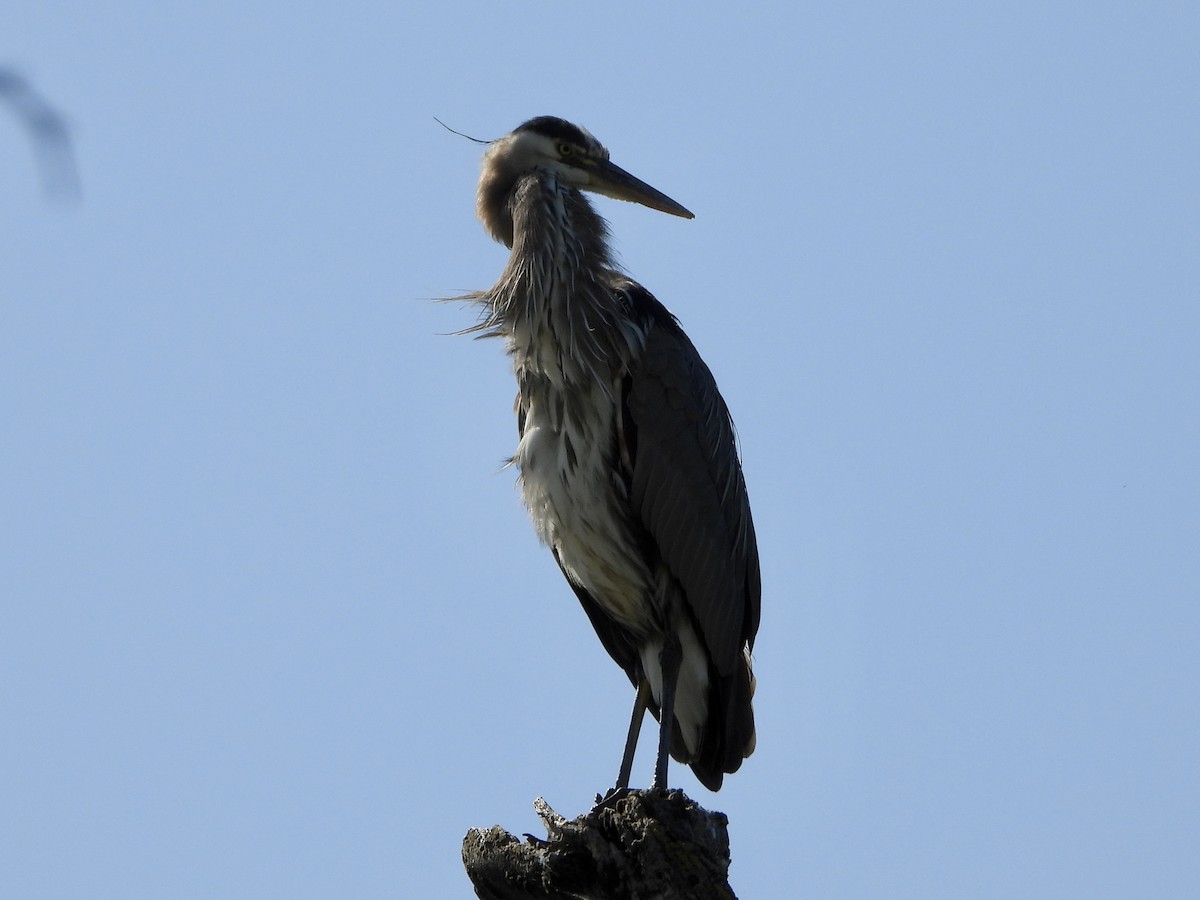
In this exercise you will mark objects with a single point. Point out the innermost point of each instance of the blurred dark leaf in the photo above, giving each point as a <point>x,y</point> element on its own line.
<point>48,131</point>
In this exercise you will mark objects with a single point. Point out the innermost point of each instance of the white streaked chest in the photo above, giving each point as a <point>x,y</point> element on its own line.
<point>576,496</point>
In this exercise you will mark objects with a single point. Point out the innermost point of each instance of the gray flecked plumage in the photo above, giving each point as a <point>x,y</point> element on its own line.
<point>627,452</point>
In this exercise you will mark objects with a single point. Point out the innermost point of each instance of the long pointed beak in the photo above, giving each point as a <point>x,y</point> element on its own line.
<point>613,181</point>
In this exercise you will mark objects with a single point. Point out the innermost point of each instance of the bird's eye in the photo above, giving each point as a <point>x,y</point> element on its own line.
<point>565,149</point>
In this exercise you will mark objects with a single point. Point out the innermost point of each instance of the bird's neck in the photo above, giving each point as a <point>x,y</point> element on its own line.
<point>555,301</point>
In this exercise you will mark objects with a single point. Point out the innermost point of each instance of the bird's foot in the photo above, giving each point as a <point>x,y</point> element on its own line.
<point>609,799</point>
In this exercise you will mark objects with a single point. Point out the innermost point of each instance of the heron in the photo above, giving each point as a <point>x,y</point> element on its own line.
<point>627,455</point>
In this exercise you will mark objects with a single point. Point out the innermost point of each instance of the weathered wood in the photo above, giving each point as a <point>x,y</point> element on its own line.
<point>637,845</point>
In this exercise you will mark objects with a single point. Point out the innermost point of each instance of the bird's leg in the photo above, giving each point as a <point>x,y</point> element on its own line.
<point>640,701</point>
<point>669,658</point>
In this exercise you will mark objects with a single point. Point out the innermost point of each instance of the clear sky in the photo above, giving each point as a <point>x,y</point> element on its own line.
<point>272,620</point>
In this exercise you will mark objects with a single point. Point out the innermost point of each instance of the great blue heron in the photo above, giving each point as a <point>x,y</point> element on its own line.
<point>627,453</point>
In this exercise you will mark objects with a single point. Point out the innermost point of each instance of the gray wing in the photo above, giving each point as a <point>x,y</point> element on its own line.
<point>688,489</point>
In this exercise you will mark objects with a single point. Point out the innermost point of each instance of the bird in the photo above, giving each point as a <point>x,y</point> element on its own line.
<point>627,455</point>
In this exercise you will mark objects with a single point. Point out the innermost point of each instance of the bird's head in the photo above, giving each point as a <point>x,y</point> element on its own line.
<point>573,155</point>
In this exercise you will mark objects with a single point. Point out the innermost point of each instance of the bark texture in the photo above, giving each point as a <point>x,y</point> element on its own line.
<point>638,845</point>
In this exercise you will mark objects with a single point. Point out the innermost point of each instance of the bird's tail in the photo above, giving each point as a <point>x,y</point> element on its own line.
<point>728,733</point>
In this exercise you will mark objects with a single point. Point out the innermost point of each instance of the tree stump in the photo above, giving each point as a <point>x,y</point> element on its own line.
<point>635,845</point>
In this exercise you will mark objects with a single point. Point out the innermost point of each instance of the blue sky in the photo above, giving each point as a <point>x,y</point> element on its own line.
<point>274,623</point>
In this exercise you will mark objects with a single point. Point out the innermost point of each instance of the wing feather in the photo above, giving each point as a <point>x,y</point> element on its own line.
<point>687,487</point>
